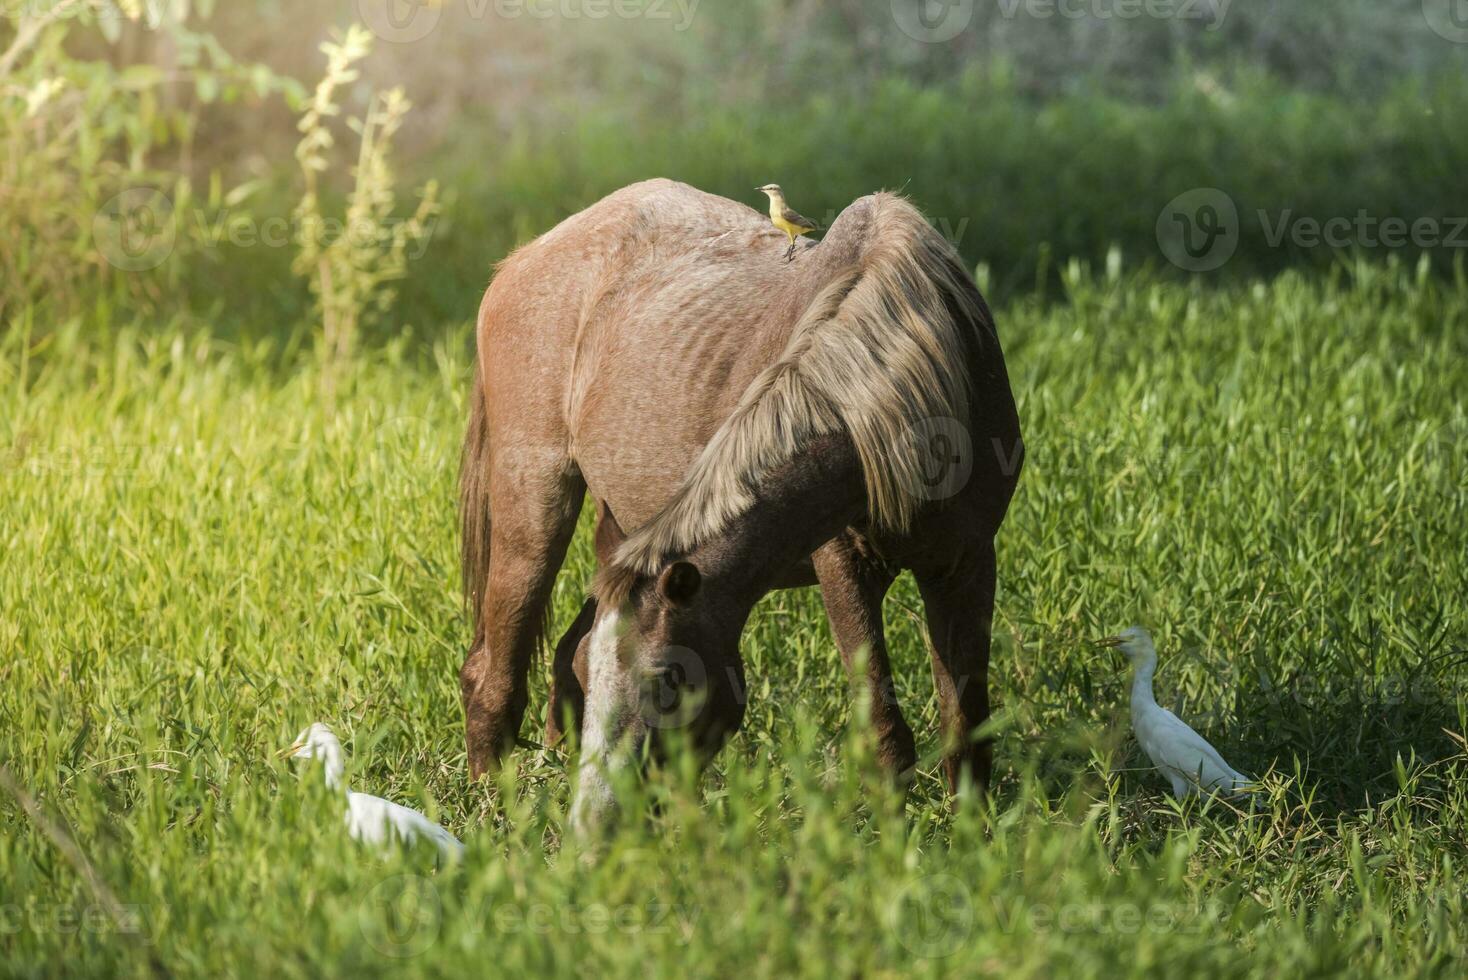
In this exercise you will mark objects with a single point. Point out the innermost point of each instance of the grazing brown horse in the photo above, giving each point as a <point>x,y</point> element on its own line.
<point>752,425</point>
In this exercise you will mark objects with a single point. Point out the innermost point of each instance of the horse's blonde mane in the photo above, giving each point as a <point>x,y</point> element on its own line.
<point>881,349</point>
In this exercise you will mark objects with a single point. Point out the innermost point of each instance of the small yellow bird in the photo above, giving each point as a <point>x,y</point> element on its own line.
<point>786,218</point>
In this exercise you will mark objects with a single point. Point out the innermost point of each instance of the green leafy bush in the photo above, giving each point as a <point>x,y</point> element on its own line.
<point>94,146</point>
<point>349,262</point>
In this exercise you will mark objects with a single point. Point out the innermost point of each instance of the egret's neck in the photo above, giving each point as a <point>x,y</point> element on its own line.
<point>334,766</point>
<point>1142,681</point>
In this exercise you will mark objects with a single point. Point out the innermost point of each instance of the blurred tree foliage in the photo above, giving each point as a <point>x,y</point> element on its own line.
<point>1042,127</point>
<point>1058,47</point>
<point>99,108</point>
<point>494,67</point>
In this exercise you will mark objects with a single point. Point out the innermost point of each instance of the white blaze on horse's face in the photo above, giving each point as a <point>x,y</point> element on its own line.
<point>652,686</point>
<point>611,719</point>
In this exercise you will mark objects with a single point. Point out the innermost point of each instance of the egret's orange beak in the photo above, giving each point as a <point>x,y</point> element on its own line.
<point>290,750</point>
<point>1111,642</point>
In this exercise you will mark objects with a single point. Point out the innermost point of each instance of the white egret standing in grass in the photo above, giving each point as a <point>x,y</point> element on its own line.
<point>370,819</point>
<point>1178,752</point>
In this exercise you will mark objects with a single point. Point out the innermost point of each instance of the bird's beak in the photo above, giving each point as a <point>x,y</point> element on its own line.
<point>289,751</point>
<point>1110,643</point>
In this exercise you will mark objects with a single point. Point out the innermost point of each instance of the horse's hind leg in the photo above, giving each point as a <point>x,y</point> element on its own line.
<point>960,606</point>
<point>852,587</point>
<point>534,516</point>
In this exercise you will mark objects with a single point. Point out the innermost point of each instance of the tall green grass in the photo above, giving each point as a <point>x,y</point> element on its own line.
<point>199,557</point>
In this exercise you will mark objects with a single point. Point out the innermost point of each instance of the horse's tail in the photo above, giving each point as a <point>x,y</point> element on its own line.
<point>474,519</point>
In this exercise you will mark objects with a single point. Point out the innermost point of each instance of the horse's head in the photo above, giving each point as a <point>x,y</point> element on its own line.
<point>663,667</point>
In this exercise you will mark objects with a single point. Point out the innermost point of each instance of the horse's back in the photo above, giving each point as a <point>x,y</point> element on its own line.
<point>626,334</point>
<point>530,316</point>
<point>540,326</point>
<point>618,342</point>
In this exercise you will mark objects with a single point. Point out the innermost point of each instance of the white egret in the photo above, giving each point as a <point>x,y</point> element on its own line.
<point>370,819</point>
<point>1178,752</point>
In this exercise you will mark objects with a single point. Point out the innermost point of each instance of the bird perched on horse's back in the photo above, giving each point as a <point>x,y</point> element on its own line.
<point>786,218</point>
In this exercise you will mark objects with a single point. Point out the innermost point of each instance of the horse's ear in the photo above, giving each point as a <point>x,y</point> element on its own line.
<point>679,582</point>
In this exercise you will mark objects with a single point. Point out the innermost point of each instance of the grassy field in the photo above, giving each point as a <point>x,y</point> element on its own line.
<point>201,555</point>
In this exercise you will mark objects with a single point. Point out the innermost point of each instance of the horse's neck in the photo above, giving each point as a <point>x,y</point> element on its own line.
<point>804,503</point>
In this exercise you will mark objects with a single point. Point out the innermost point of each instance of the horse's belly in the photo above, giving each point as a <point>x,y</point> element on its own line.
<point>634,478</point>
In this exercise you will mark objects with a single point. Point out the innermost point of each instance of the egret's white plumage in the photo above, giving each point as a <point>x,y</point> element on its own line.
<point>1178,752</point>
<point>370,819</point>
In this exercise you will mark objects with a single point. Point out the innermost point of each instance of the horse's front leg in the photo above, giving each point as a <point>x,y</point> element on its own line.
<point>569,670</point>
<point>852,587</point>
<point>960,607</point>
<point>568,678</point>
